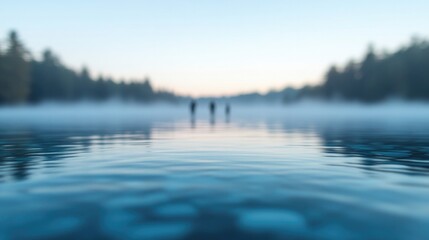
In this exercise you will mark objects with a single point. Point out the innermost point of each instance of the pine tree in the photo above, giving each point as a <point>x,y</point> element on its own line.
<point>15,80</point>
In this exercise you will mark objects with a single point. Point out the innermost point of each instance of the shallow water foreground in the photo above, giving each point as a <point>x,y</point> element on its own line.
<point>251,176</point>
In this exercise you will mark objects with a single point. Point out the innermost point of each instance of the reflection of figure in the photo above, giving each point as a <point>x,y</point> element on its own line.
<point>193,106</point>
<point>212,120</point>
<point>212,108</point>
<point>192,121</point>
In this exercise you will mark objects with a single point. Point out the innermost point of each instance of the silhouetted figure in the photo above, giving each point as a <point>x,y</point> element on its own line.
<point>193,106</point>
<point>212,108</point>
<point>227,112</point>
<point>227,109</point>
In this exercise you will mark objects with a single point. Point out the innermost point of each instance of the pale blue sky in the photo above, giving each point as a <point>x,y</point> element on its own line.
<point>215,47</point>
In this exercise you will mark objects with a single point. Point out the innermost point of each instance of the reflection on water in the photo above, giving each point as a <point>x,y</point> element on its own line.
<point>235,178</point>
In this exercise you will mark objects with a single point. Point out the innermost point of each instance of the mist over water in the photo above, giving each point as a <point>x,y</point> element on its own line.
<point>119,110</point>
<point>306,171</point>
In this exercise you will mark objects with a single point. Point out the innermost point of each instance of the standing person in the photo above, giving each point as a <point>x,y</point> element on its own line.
<point>193,106</point>
<point>212,107</point>
<point>227,109</point>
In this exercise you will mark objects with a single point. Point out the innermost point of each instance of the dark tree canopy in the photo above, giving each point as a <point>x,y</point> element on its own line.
<point>14,72</point>
<point>403,74</point>
<point>27,80</point>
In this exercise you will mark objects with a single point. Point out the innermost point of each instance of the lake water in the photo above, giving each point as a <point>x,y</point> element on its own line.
<point>259,174</point>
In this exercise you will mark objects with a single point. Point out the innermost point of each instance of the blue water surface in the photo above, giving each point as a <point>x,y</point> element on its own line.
<point>253,175</point>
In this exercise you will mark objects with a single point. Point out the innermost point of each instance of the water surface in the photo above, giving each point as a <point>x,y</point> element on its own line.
<point>255,175</point>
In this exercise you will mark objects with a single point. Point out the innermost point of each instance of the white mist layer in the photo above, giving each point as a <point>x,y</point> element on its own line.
<point>54,113</point>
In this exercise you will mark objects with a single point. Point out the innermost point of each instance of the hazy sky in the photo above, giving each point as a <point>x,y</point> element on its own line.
<point>215,47</point>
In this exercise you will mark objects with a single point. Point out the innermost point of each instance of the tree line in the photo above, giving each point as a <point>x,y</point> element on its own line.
<point>24,79</point>
<point>403,74</point>
<point>378,76</point>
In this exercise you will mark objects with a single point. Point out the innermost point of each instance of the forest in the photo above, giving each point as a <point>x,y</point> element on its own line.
<point>403,74</point>
<point>24,79</point>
